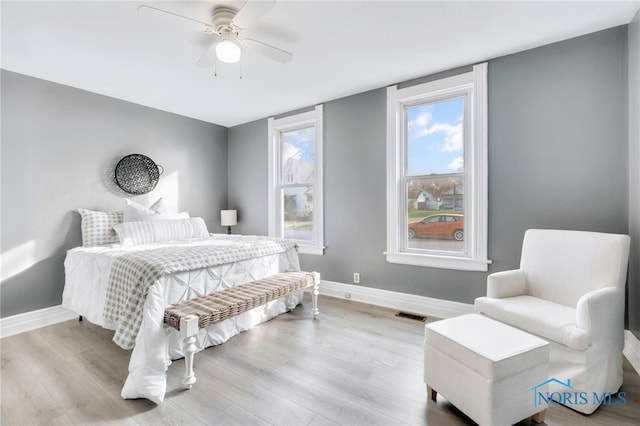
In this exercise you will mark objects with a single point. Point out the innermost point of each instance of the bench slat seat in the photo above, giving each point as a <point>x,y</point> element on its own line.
<point>192,315</point>
<point>215,307</point>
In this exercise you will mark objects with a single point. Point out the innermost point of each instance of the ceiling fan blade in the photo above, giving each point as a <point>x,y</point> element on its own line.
<point>251,11</point>
<point>208,58</point>
<point>267,50</point>
<point>144,8</point>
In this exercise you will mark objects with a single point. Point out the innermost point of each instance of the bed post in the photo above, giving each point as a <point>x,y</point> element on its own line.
<point>188,332</point>
<point>289,301</point>
<point>314,294</point>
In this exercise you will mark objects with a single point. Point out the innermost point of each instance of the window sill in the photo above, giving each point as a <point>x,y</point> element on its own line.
<point>318,251</point>
<point>443,262</point>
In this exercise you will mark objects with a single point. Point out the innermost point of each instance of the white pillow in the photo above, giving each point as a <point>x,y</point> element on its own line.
<point>155,231</point>
<point>97,227</point>
<point>134,212</point>
<point>181,215</point>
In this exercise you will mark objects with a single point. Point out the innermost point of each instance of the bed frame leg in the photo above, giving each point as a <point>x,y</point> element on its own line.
<point>167,357</point>
<point>314,294</point>
<point>188,332</point>
<point>289,300</point>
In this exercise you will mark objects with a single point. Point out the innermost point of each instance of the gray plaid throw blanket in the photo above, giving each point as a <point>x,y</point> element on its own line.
<point>133,273</point>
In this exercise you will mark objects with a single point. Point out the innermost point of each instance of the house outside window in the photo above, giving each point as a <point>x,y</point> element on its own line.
<point>437,172</point>
<point>295,180</point>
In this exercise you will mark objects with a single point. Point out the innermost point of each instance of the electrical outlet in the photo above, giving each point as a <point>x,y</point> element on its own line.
<point>347,295</point>
<point>356,278</point>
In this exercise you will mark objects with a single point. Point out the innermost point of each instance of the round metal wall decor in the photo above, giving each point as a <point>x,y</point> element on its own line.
<point>137,174</point>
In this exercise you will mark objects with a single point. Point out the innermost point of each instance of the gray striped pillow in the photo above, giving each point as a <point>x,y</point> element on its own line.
<point>155,231</point>
<point>97,227</point>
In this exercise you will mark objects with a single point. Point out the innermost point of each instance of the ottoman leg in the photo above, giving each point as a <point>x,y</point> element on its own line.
<point>539,417</point>
<point>432,394</point>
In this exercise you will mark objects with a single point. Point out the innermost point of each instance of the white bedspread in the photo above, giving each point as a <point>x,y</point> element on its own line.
<point>87,273</point>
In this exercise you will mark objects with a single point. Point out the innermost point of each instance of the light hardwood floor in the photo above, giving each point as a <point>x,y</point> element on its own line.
<point>356,365</point>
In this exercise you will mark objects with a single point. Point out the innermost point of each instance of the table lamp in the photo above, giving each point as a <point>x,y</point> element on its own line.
<point>228,218</point>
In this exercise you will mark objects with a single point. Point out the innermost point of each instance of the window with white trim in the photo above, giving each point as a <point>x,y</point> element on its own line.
<point>437,172</point>
<point>295,180</point>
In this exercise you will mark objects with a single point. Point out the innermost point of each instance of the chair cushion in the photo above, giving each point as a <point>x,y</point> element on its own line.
<point>548,320</point>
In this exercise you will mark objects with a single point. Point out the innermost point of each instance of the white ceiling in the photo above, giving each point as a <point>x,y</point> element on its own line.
<point>340,47</point>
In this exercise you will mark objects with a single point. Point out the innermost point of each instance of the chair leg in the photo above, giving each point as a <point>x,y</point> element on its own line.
<point>431,393</point>
<point>539,417</point>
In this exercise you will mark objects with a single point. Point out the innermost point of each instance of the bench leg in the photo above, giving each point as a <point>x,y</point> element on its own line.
<point>188,331</point>
<point>314,294</point>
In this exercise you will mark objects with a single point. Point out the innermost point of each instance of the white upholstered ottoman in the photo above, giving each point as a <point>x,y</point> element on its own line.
<point>487,369</point>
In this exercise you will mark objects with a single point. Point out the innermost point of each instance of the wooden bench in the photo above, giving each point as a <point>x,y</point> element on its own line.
<point>192,315</point>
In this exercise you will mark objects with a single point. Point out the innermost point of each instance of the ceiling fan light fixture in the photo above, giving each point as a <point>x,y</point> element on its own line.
<point>228,51</point>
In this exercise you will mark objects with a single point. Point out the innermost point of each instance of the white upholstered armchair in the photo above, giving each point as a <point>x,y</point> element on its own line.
<point>569,290</point>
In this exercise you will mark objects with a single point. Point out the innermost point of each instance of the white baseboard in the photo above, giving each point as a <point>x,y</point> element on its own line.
<point>631,350</point>
<point>390,299</point>
<point>429,306</point>
<point>28,321</point>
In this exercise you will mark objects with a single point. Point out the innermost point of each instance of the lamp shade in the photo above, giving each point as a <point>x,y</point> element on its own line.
<point>228,51</point>
<point>228,217</point>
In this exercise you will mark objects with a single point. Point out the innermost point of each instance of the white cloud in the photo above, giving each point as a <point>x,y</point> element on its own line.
<point>453,141</point>
<point>299,140</point>
<point>457,165</point>
<point>421,121</point>
<point>436,127</point>
<point>453,135</point>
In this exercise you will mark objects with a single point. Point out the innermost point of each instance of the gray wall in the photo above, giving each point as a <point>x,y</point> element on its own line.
<point>248,186</point>
<point>558,141</point>
<point>557,158</point>
<point>633,307</point>
<point>559,145</point>
<point>59,147</point>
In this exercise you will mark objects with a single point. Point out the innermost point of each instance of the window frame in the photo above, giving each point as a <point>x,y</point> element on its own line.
<point>276,127</point>
<point>472,85</point>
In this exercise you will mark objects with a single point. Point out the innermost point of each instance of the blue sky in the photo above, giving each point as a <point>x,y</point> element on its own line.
<point>435,137</point>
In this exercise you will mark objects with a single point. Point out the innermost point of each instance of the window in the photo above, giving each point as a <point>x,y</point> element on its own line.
<point>295,180</point>
<point>437,172</point>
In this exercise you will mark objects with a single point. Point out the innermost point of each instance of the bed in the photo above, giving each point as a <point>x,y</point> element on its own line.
<point>196,264</point>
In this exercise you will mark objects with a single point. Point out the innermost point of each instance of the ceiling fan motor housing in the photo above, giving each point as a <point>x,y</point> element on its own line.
<point>222,17</point>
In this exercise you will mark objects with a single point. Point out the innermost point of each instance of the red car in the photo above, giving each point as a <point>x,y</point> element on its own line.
<point>438,226</point>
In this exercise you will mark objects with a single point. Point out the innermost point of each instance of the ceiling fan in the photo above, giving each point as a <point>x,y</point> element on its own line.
<point>226,26</point>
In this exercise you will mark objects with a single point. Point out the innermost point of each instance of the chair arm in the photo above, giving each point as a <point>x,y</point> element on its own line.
<point>507,284</point>
<point>601,314</point>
